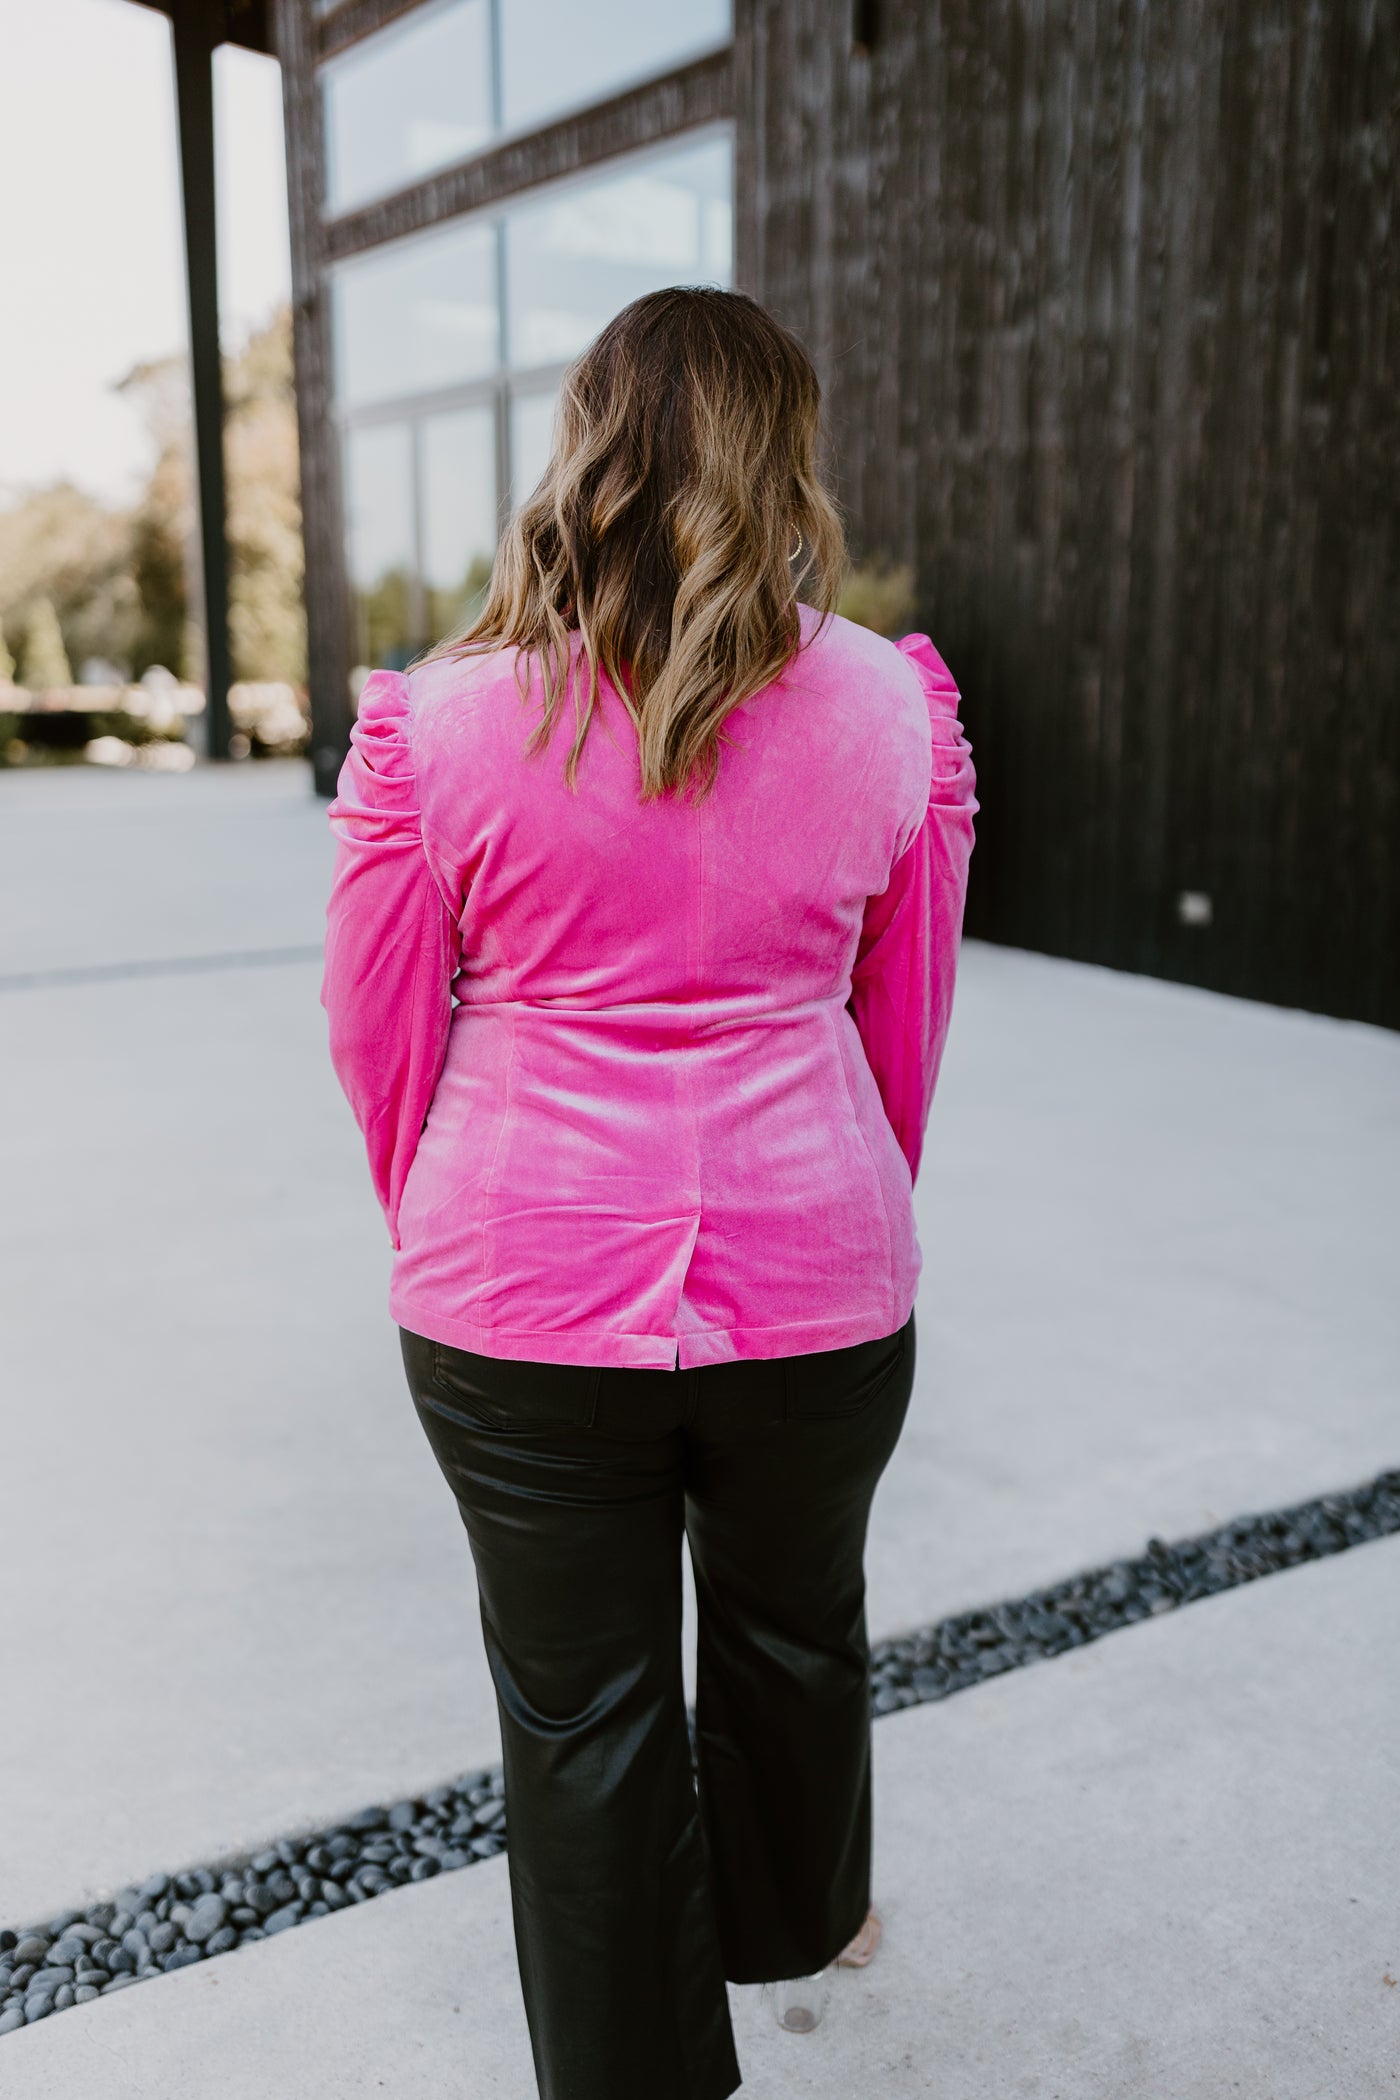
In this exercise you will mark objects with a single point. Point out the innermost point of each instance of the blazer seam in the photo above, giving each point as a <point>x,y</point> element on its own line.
<point>398,1195</point>
<point>487,1186</point>
<point>874,1166</point>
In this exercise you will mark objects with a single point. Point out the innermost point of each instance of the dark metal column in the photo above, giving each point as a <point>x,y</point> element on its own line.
<point>195,27</point>
<point>322,512</point>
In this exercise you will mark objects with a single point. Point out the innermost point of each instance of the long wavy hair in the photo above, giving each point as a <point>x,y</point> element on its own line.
<point>682,512</point>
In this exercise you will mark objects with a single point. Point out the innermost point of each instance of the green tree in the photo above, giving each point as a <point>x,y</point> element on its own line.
<point>158,540</point>
<point>385,626</point>
<point>7,662</point>
<point>450,610</point>
<point>45,658</point>
<point>267,620</point>
<point>60,544</point>
<point>116,579</point>
<point>161,528</point>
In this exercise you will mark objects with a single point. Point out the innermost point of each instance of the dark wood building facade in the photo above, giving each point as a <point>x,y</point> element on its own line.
<point>1104,295</point>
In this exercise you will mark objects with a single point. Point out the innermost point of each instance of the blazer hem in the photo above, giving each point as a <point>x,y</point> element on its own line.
<point>615,1349</point>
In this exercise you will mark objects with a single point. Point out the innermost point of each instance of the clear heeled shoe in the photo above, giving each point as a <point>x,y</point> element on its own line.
<point>800,2002</point>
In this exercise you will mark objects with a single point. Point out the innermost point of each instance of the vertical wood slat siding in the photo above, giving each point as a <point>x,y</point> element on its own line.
<point>327,600</point>
<point>1106,299</point>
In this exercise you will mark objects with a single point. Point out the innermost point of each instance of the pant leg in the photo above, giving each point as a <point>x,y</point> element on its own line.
<point>778,1499</point>
<point>569,1485</point>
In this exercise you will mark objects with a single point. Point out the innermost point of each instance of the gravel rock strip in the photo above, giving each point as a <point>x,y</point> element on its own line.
<point>172,1920</point>
<point>937,1661</point>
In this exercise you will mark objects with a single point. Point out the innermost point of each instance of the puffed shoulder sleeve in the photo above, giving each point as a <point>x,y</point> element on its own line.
<point>907,957</point>
<point>392,941</point>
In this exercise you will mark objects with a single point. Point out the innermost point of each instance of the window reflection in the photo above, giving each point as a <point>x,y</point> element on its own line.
<point>556,55</point>
<point>379,518</point>
<point>531,441</point>
<point>411,99</point>
<point>573,259</point>
<point>423,350</point>
<point>458,455</point>
<point>419,94</point>
<point>416,317</point>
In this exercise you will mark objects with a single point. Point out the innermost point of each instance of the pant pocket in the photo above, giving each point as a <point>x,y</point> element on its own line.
<point>500,1394</point>
<point>832,1383</point>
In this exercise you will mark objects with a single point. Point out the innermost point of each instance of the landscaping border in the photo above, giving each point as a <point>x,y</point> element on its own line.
<point>171,1921</point>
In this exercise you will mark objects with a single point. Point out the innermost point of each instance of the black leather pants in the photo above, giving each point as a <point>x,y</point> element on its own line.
<point>634,1896</point>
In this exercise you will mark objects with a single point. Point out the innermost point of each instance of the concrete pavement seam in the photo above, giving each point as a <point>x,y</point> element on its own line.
<point>159,966</point>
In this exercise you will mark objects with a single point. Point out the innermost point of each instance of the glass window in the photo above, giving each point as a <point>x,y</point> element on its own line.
<point>577,256</point>
<point>557,55</point>
<point>531,440</point>
<point>458,457</point>
<point>416,316</point>
<point>383,565</point>
<point>433,380</point>
<point>413,98</point>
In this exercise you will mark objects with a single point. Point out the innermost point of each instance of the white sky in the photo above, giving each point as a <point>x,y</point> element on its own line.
<point>91,262</point>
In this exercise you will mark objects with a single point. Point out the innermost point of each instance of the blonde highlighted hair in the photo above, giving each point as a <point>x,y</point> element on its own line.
<point>680,515</point>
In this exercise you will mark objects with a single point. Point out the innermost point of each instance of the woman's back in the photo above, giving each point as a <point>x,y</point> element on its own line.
<point>742,903</point>
<point>676,1109</point>
<point>640,960</point>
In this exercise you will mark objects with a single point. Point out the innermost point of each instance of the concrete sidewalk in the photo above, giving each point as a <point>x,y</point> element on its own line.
<point>1161,1869</point>
<point>1161,1239</point>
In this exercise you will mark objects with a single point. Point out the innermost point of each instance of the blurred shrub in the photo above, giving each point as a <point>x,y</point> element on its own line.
<point>160,756</point>
<point>271,716</point>
<point>61,726</point>
<point>879,595</point>
<point>46,668</point>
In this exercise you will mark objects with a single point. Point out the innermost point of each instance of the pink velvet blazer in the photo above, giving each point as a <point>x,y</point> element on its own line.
<point>646,1083</point>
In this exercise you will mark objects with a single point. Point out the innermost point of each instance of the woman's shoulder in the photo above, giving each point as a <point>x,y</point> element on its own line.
<point>839,648</point>
<point>451,704</point>
<point>450,681</point>
<point>869,674</point>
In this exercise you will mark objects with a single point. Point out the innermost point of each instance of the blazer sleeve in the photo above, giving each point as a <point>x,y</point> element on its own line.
<point>907,956</point>
<point>392,943</point>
